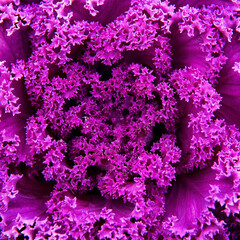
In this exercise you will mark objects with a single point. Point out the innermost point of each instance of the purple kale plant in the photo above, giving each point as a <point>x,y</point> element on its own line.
<point>119,119</point>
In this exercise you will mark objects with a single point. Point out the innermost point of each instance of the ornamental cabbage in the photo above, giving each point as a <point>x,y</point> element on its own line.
<point>119,119</point>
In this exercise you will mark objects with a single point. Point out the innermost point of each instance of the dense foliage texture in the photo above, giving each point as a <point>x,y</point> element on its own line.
<point>119,119</point>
